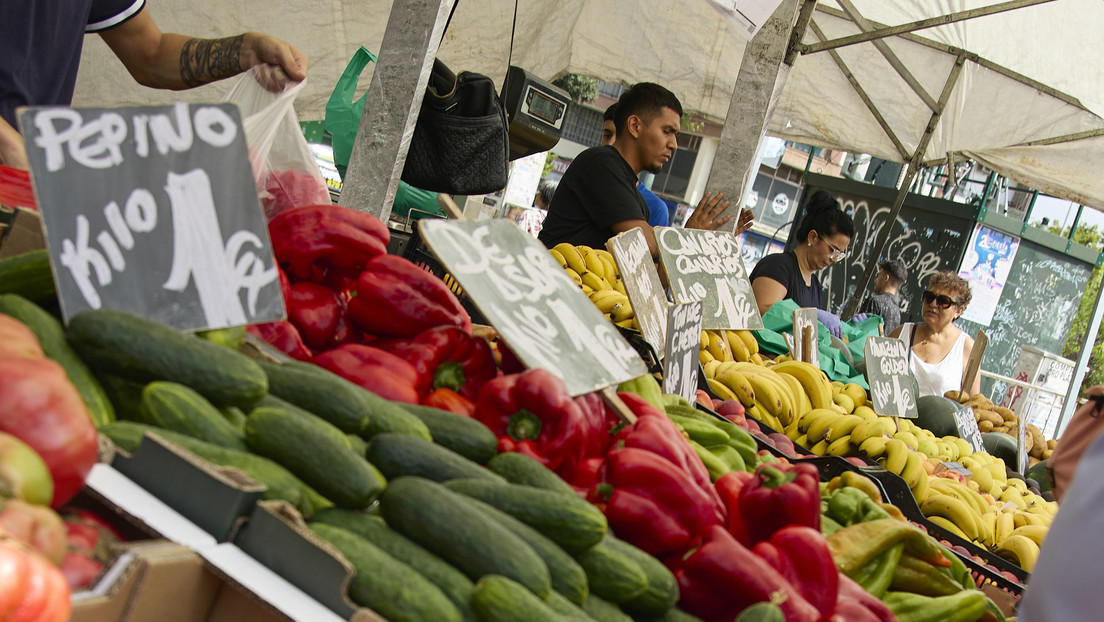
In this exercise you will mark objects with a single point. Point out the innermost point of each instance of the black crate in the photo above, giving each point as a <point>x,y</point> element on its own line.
<point>416,251</point>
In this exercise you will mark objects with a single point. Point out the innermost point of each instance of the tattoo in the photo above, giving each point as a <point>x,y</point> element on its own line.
<point>207,60</point>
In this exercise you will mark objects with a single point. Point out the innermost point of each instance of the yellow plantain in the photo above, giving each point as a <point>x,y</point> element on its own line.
<point>737,346</point>
<point>720,390</point>
<point>873,447</point>
<point>574,276</point>
<point>749,340</point>
<point>594,264</point>
<point>558,256</point>
<point>595,282</point>
<point>896,456</point>
<point>954,510</point>
<point>738,384</point>
<point>572,256</point>
<point>1020,550</point>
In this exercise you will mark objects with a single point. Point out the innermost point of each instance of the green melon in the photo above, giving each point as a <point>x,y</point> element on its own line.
<point>937,415</point>
<point>1039,474</point>
<point>1003,446</point>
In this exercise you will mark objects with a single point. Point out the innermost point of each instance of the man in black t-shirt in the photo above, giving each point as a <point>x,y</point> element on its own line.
<point>41,42</point>
<point>597,197</point>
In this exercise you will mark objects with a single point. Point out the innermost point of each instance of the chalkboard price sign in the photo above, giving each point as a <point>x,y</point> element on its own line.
<point>805,336</point>
<point>968,428</point>
<point>680,368</point>
<point>641,280</point>
<point>892,387</point>
<point>153,210</point>
<point>532,303</point>
<point>1021,444</point>
<point>707,266</point>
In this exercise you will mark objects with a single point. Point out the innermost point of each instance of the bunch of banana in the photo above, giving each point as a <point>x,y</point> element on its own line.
<point>729,345</point>
<point>595,272</point>
<point>767,396</point>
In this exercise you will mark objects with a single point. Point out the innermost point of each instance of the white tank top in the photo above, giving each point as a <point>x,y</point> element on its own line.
<point>936,378</point>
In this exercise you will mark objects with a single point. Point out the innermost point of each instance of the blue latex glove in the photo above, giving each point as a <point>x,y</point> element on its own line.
<point>859,317</point>
<point>831,322</point>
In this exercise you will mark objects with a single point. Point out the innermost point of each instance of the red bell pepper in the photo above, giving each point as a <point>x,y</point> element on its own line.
<point>285,286</point>
<point>533,413</point>
<point>373,369</point>
<point>722,578</point>
<point>447,399</point>
<point>655,432</point>
<point>642,520</point>
<point>41,407</point>
<point>780,495</point>
<point>315,310</point>
<point>283,336</point>
<point>801,555</point>
<point>852,596</point>
<point>677,500</point>
<point>334,236</point>
<point>447,357</point>
<point>585,476</point>
<point>729,486</point>
<point>397,298</point>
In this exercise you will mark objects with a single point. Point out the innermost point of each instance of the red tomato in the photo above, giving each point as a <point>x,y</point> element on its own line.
<point>14,570</point>
<point>16,340</point>
<point>23,471</point>
<point>36,526</point>
<point>32,589</point>
<point>41,407</point>
<point>80,570</point>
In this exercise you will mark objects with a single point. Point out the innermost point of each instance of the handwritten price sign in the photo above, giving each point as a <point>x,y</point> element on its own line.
<point>153,210</point>
<point>680,367</point>
<point>892,386</point>
<point>707,266</point>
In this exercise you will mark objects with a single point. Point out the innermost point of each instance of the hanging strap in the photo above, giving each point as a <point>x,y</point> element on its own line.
<point>513,31</point>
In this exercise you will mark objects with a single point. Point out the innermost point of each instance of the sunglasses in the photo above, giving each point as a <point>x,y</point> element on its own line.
<point>941,301</point>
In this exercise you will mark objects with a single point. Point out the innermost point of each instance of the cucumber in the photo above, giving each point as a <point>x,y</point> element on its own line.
<point>322,461</point>
<point>526,471</point>
<point>271,401</point>
<point>342,403</point>
<point>498,599</point>
<point>569,611</point>
<point>464,435</point>
<point>446,524</point>
<point>128,345</point>
<point>612,575</point>
<point>176,407</point>
<point>125,396</point>
<point>396,455</point>
<point>672,615</point>
<point>762,612</point>
<point>51,334</point>
<point>662,592</point>
<point>385,584</point>
<point>28,275</point>
<point>236,418</point>
<point>456,586</point>
<point>280,483</point>
<point>570,522</point>
<point>604,611</point>
<point>568,577</point>
<point>357,444</point>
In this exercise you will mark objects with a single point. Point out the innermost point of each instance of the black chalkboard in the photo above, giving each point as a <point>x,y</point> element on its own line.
<point>1037,307</point>
<point>153,210</point>
<point>532,303</point>
<point>707,266</point>
<point>967,427</point>
<point>680,368</point>
<point>641,280</point>
<point>892,386</point>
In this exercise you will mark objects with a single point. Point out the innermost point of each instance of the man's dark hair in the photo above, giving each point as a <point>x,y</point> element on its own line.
<point>823,215</point>
<point>896,271</point>
<point>646,100</point>
<point>610,113</point>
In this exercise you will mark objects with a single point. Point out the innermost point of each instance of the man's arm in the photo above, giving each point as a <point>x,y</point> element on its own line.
<point>172,61</point>
<point>13,153</point>
<point>649,233</point>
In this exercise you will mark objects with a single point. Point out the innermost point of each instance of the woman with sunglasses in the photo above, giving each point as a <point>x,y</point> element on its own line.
<point>938,350</point>
<point>822,240</point>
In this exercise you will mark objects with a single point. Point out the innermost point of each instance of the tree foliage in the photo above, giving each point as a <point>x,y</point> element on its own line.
<point>580,88</point>
<point>1089,236</point>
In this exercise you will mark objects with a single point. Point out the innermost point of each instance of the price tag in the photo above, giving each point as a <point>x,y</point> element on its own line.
<point>642,285</point>
<point>955,467</point>
<point>532,303</point>
<point>968,428</point>
<point>707,266</point>
<point>153,210</point>
<point>680,368</point>
<point>805,336</point>
<point>892,386</point>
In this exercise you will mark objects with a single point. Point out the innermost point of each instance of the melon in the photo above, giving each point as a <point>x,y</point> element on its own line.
<point>936,414</point>
<point>1039,474</point>
<point>1001,445</point>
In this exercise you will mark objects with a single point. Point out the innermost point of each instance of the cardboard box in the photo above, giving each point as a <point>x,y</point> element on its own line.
<point>22,233</point>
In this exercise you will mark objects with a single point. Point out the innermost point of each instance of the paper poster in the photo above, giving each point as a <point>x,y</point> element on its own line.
<point>748,16</point>
<point>988,260</point>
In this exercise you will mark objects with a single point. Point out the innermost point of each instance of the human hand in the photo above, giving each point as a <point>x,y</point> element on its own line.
<point>13,151</point>
<point>859,317</point>
<point>707,215</point>
<point>746,220</point>
<point>831,321</point>
<point>278,62</point>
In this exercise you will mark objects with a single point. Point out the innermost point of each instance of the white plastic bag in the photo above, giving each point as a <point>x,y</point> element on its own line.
<point>284,168</point>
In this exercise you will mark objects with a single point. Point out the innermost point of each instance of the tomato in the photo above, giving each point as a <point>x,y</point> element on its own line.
<point>32,589</point>
<point>14,570</point>
<point>80,570</point>
<point>42,408</point>
<point>23,473</point>
<point>16,340</point>
<point>447,399</point>
<point>36,526</point>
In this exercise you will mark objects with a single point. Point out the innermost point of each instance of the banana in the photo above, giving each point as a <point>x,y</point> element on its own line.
<point>870,428</point>
<point>785,393</point>
<point>606,299</point>
<point>766,393</point>
<point>1026,519</point>
<point>610,263</point>
<point>914,468</point>
<point>983,478</point>
<point>873,447</point>
<point>954,510</point>
<point>738,384</point>
<point>619,285</point>
<point>840,447</point>
<point>820,448</point>
<point>717,346</point>
<point>622,312</point>
<point>800,399</point>
<point>1038,533</point>
<point>896,455</point>
<point>594,281</point>
<point>594,264</point>
<point>572,256</point>
<point>558,256</point>
<point>574,276</point>
<point>583,249</point>
<point>704,357</point>
<point>949,526</point>
<point>1020,550</point>
<point>1004,527</point>
<point>989,528</point>
<point>922,488</point>
<point>710,368</point>
<point>720,390</point>
<point>738,347</point>
<point>856,393</point>
<point>909,439</point>
<point>812,379</point>
<point>749,340</point>
<point>818,428</point>
<point>844,402</point>
<point>841,427</point>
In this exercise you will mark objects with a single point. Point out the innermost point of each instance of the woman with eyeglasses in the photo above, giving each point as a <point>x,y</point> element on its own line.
<point>938,350</point>
<point>822,240</point>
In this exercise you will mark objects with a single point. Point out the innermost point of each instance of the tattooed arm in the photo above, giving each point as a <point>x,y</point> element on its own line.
<point>173,61</point>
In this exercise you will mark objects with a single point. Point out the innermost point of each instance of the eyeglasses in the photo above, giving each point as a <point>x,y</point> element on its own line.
<point>941,301</point>
<point>837,254</point>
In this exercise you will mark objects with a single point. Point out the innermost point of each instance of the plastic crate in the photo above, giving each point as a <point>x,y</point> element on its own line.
<point>643,348</point>
<point>416,251</point>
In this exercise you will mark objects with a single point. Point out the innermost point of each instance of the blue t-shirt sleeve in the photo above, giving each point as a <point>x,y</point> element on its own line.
<point>658,213</point>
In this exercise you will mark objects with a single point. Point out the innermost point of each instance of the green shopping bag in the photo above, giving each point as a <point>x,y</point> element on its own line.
<point>342,113</point>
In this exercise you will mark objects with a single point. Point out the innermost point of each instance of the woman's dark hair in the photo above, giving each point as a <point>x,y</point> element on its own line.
<point>822,214</point>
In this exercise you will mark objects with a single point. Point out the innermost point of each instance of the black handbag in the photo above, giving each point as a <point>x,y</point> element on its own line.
<point>461,143</point>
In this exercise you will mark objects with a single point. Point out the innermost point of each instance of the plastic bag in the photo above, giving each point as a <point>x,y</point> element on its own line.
<point>342,112</point>
<point>284,168</point>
